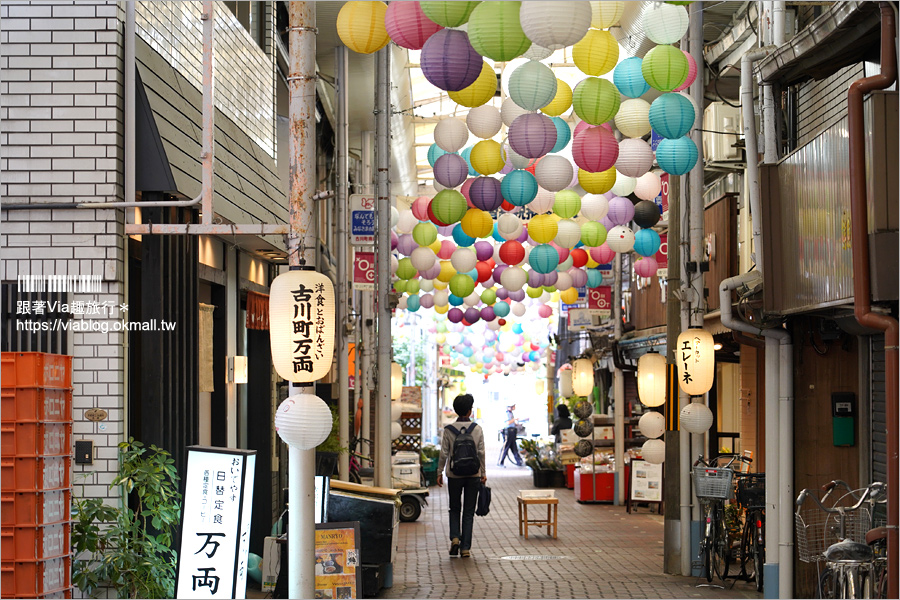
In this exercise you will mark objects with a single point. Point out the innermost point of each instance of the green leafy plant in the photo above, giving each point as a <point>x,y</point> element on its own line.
<point>332,442</point>
<point>733,522</point>
<point>430,452</point>
<point>540,457</point>
<point>130,547</point>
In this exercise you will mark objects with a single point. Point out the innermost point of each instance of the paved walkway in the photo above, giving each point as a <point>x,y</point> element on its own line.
<point>601,552</point>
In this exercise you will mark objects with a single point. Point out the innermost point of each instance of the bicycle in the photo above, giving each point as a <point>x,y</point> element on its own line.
<point>842,538</point>
<point>752,498</point>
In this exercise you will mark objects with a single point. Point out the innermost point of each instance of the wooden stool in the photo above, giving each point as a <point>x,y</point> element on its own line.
<point>550,522</point>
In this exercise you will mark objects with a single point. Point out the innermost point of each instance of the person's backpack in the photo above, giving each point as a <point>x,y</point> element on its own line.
<point>464,454</point>
<point>483,506</point>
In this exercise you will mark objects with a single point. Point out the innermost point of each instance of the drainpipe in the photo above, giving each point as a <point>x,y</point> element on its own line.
<point>619,388</point>
<point>343,300</point>
<point>862,298</point>
<point>752,149</point>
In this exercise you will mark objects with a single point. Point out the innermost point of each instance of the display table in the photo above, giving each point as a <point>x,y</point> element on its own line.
<point>551,522</point>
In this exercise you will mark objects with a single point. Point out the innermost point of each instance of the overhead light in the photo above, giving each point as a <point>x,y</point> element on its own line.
<point>717,346</point>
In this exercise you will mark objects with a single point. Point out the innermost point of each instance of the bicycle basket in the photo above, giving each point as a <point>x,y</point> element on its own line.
<point>816,530</point>
<point>752,490</point>
<point>713,483</point>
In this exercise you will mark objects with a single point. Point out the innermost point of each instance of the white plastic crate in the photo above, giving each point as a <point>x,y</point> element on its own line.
<point>404,476</point>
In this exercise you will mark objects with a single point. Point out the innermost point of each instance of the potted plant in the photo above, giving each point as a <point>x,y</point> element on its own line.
<point>546,469</point>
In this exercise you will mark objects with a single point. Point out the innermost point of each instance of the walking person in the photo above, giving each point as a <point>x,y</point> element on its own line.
<point>512,430</point>
<point>462,452</point>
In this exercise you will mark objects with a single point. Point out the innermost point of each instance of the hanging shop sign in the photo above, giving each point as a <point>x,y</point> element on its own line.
<point>215,523</point>
<point>696,361</point>
<point>662,256</point>
<point>301,312</point>
<point>600,299</point>
<point>364,271</point>
<point>337,560</point>
<point>362,219</point>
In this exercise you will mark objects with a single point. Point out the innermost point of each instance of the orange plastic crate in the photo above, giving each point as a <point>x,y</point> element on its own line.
<point>35,508</point>
<point>40,405</point>
<point>35,439</point>
<point>34,473</point>
<point>36,578</point>
<point>35,542</point>
<point>64,593</point>
<point>36,369</point>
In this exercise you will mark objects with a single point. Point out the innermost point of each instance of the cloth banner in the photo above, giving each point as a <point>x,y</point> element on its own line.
<point>257,311</point>
<point>206,348</point>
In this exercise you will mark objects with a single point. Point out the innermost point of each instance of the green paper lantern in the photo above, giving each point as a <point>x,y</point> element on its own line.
<point>405,269</point>
<point>400,286</point>
<point>412,287</point>
<point>449,206</point>
<point>424,234</point>
<point>597,100</point>
<point>534,292</point>
<point>461,285</point>
<point>593,234</point>
<point>532,85</point>
<point>494,30</point>
<point>448,14</point>
<point>665,68</point>
<point>489,296</point>
<point>567,203</point>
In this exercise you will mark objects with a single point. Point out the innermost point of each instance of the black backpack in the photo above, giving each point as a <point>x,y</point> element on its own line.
<point>464,460</point>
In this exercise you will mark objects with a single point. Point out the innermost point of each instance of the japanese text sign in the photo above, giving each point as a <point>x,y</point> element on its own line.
<point>337,560</point>
<point>362,219</point>
<point>696,361</point>
<point>301,331</point>
<point>364,271</point>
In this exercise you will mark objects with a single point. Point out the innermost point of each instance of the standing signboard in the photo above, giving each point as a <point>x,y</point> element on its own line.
<point>362,219</point>
<point>215,523</point>
<point>338,568</point>
<point>645,484</point>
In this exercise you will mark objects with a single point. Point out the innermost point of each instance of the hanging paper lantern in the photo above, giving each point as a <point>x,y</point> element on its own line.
<point>486,193</point>
<point>579,256</point>
<point>594,207</point>
<point>672,115</point>
<point>568,233</point>
<point>597,183</point>
<point>295,356</point>
<point>509,112</point>
<point>542,228</point>
<point>424,234</point>
<point>495,31</point>
<point>597,53</point>
<point>581,126</point>
<point>595,278</point>
<point>603,254</point>
<point>555,25</point>
<point>692,72</point>
<point>412,302</point>
<point>461,285</point>
<point>554,173</point>
<point>563,134</point>
<point>532,85</point>
<point>677,156</point>
<point>486,157</point>
<point>562,250</point>
<point>605,14</point>
<point>448,14</point>
<point>405,269</point>
<point>592,234</point>
<point>635,157</point>
<point>536,52</point>
<point>665,23</point>
<point>648,186</point>
<point>654,452</point>
<point>450,170</point>
<point>624,185</point>
<point>664,68</point>
<point>621,211</point>
<point>406,243</point>
<point>628,78</point>
<point>519,187</point>
<point>420,207</point>
<point>484,121</point>
<point>620,239</point>
<point>561,101</point>
<point>423,259</point>
<point>651,380</point>
<point>449,62</point>
<point>360,25</point>
<point>448,206</point>
<point>462,233</point>
<point>480,91</point>
<point>512,253</point>
<point>595,150</point>
<point>596,100</point>
<point>646,267</point>
<point>646,214</point>
<point>695,357</point>
<point>463,260</point>
<point>513,278</point>
<point>408,26</point>
<point>543,201</point>
<point>696,417</point>
<point>567,204</point>
<point>544,311</point>
<point>303,421</point>
<point>467,154</point>
<point>569,295</point>
<point>435,152</point>
<point>532,135</point>
<point>633,118</point>
<point>509,226</point>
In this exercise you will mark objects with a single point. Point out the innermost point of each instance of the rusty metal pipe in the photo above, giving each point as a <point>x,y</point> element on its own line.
<point>862,298</point>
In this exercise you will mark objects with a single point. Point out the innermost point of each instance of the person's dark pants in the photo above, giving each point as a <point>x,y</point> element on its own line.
<point>511,446</point>
<point>458,486</point>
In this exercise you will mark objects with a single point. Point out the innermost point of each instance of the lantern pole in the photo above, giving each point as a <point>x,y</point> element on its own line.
<point>342,300</point>
<point>302,253</point>
<point>383,251</point>
<point>619,388</point>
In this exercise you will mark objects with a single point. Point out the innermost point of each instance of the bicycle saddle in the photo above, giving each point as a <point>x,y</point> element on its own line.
<point>848,550</point>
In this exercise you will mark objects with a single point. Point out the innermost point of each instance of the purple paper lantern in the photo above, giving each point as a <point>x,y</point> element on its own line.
<point>483,250</point>
<point>472,315</point>
<point>486,193</point>
<point>426,301</point>
<point>394,240</point>
<point>449,62</point>
<point>535,279</point>
<point>455,315</point>
<point>450,170</point>
<point>579,277</point>
<point>433,272</point>
<point>621,211</point>
<point>498,270</point>
<point>502,294</point>
<point>551,278</point>
<point>487,314</point>
<point>406,244</point>
<point>517,295</point>
<point>532,135</point>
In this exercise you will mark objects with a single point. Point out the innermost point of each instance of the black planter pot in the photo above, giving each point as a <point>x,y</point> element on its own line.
<point>541,478</point>
<point>326,463</point>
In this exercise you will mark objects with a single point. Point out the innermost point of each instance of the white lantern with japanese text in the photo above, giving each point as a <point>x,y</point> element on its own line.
<point>651,379</point>
<point>696,359</point>
<point>301,332</point>
<point>582,377</point>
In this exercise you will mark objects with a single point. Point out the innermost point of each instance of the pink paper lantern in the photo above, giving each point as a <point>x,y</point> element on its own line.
<point>582,125</point>
<point>595,150</point>
<point>408,26</point>
<point>602,254</point>
<point>563,252</point>
<point>420,206</point>
<point>579,277</point>
<point>646,267</point>
<point>426,301</point>
<point>447,249</point>
<point>692,73</point>
<point>466,186</point>
<point>545,311</point>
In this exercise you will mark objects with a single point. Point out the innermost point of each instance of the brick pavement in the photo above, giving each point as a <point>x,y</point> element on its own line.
<point>604,552</point>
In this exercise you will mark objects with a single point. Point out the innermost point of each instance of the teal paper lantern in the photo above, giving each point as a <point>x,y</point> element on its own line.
<point>532,85</point>
<point>672,115</point>
<point>595,278</point>
<point>496,234</point>
<point>466,155</point>
<point>597,100</point>
<point>461,238</point>
<point>413,303</point>
<point>543,259</point>
<point>454,300</point>
<point>501,309</point>
<point>646,242</point>
<point>628,78</point>
<point>563,133</point>
<point>495,31</point>
<point>434,153</point>
<point>519,187</point>
<point>678,156</point>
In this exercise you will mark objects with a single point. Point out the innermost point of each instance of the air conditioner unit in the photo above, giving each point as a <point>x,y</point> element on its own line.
<point>722,127</point>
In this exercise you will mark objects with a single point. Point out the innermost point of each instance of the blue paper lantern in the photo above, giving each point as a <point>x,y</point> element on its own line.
<point>628,78</point>
<point>595,278</point>
<point>460,236</point>
<point>501,309</point>
<point>563,133</point>
<point>413,303</point>
<point>465,154</point>
<point>534,356</point>
<point>496,234</point>
<point>517,328</point>
<point>519,187</point>
<point>435,152</point>
<point>672,115</point>
<point>467,352</point>
<point>454,300</point>
<point>646,242</point>
<point>543,258</point>
<point>678,156</point>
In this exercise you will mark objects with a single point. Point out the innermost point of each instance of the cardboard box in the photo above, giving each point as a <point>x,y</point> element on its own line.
<point>271,563</point>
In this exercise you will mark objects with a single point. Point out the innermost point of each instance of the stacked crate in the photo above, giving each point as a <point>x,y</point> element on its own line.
<point>35,472</point>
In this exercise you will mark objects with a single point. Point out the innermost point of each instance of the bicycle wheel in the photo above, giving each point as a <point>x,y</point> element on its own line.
<point>706,545</point>
<point>826,584</point>
<point>721,548</point>
<point>759,559</point>
<point>747,557</point>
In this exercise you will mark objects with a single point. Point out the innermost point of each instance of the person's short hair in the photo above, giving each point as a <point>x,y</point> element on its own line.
<point>563,411</point>
<point>462,404</point>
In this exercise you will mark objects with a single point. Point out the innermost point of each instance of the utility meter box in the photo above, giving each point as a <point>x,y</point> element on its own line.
<point>843,418</point>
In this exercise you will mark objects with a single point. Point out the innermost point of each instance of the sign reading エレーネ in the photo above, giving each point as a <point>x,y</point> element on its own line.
<point>215,523</point>
<point>362,219</point>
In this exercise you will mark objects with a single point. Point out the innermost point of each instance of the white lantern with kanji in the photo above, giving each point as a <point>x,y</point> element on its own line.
<point>582,377</point>
<point>696,360</point>
<point>301,331</point>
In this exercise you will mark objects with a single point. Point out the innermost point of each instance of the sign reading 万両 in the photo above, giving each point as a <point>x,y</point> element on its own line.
<point>362,219</point>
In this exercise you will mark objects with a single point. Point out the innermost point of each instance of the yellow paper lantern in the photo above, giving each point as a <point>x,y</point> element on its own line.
<point>480,92</point>
<point>561,101</point>
<point>477,223</point>
<point>582,368</point>
<point>606,13</point>
<point>447,272</point>
<point>570,296</point>
<point>597,52</point>
<point>597,183</point>
<point>486,157</point>
<point>696,360</point>
<point>360,26</point>
<point>651,379</point>
<point>441,310</point>
<point>441,285</point>
<point>542,228</point>
<point>435,246</point>
<point>301,335</point>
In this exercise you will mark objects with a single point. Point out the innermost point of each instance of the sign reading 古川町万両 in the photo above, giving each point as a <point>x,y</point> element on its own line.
<point>301,325</point>
<point>215,523</point>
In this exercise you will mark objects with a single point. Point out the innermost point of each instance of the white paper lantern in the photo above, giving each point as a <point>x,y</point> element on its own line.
<point>513,278</point>
<point>555,25</point>
<point>582,377</point>
<point>665,23</point>
<point>422,259</point>
<point>536,52</point>
<point>554,173</point>
<point>648,186</point>
<point>472,300</point>
<point>406,222</point>
<point>633,118</point>
<point>652,424</point>
<point>651,379</point>
<point>396,381</point>
<point>395,263</point>
<point>395,216</point>
<point>620,239</point>
<point>426,285</point>
<point>654,451</point>
<point>450,134</point>
<point>696,360</point>
<point>441,297</point>
<point>303,421</point>
<point>565,383</point>
<point>594,207</point>
<point>484,121</point>
<point>509,226</point>
<point>396,410</point>
<point>635,158</point>
<point>696,417</point>
<point>518,161</point>
<point>532,85</point>
<point>463,260</point>
<point>509,111</point>
<point>518,308</point>
<point>396,430</point>
<point>301,332</point>
<point>437,185</point>
<point>624,185</point>
<point>543,202</point>
<point>563,281</point>
<point>568,233</point>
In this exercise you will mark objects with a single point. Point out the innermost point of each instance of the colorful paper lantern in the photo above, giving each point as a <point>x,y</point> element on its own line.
<point>435,152</point>
<point>448,14</point>
<point>563,134</point>
<point>646,214</point>
<point>296,356</point>
<point>595,150</point>
<point>579,257</point>
<point>519,187</point>
<point>635,158</point>
<point>543,202</point>
<point>303,421</point>
<point>461,285</point>
<point>594,207</point>
<point>605,14</point>
<point>360,25</point>
<point>408,26</point>
<point>513,278</point>
<point>620,239</point>
<point>495,31</point>
<point>423,259</point>
<point>424,234</point>
<point>561,101</point>
<point>480,92</point>
<point>484,121</point>
<point>567,204</point>
<point>554,172</point>
<point>665,23</point>
<point>648,186</point>
<point>509,112</point>
<point>512,253</point>
<point>621,211</point>
<point>568,233</point>
<point>449,62</point>
<point>542,228</point>
<point>597,183</point>
<point>624,185</point>
<point>692,72</point>
<point>696,417</point>
<point>628,78</point>
<point>677,156</point>
<point>603,254</point>
<point>597,52</point>
<point>532,85</point>
<point>486,193</point>
<point>664,68</point>
<point>646,267</point>
<point>672,115</point>
<point>532,135</point>
<point>633,118</point>
<point>486,157</point>
<point>543,258</point>
<point>509,226</point>
<point>463,234</point>
<point>592,234</point>
<point>467,155</point>
<point>463,260</point>
<point>448,206</point>
<point>596,100</point>
<point>557,24</point>
<point>450,170</point>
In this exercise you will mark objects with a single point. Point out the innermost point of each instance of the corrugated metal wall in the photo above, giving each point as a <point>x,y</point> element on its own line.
<point>879,421</point>
<point>822,103</point>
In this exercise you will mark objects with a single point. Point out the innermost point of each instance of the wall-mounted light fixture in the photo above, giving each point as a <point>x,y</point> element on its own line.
<point>236,371</point>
